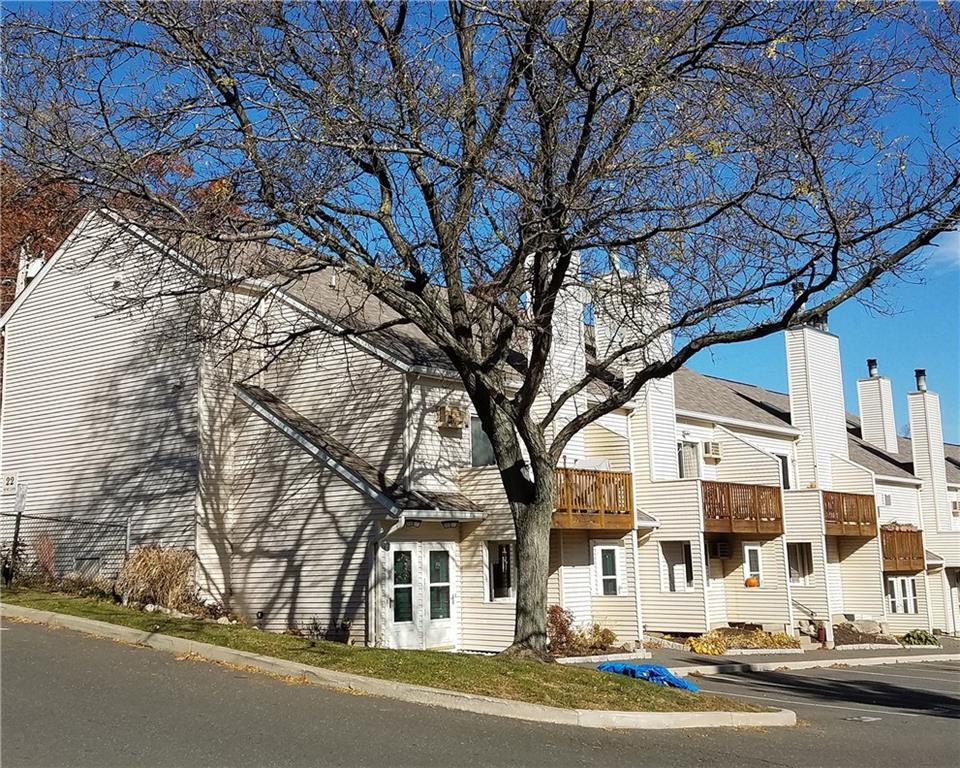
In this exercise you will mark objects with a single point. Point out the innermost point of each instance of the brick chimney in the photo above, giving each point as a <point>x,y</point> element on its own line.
<point>926,439</point>
<point>877,422</point>
<point>815,381</point>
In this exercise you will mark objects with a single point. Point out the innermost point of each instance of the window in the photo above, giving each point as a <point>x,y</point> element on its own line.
<point>902,594</point>
<point>800,560</point>
<point>676,566</point>
<point>402,585</point>
<point>886,500</point>
<point>439,584</point>
<point>688,459</point>
<point>481,448</point>
<point>751,565</point>
<point>87,567</point>
<point>501,569</point>
<point>608,573</point>
<point>784,471</point>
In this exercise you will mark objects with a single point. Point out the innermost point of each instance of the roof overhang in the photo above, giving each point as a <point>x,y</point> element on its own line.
<point>932,558</point>
<point>444,515</point>
<point>915,481</point>
<point>713,418</point>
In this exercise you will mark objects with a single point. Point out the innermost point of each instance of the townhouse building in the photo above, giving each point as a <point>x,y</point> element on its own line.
<point>349,484</point>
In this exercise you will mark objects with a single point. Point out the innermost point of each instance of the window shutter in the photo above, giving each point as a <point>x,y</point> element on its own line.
<point>487,592</point>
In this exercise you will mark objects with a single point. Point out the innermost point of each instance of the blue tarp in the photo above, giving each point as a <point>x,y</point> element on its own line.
<point>650,672</point>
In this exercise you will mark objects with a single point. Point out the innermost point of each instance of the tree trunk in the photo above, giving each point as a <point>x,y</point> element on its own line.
<point>532,524</point>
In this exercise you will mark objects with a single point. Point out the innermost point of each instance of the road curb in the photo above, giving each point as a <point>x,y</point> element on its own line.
<point>417,694</point>
<point>773,666</point>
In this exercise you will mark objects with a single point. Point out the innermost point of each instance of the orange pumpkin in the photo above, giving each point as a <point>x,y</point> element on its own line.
<point>751,581</point>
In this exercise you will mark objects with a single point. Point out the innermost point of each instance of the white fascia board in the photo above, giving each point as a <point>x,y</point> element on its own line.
<point>443,514</point>
<point>726,421</point>
<point>322,456</point>
<point>891,480</point>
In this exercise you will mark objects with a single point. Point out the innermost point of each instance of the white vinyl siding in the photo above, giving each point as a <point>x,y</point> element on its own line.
<point>861,567</point>
<point>803,522</point>
<point>903,506</point>
<point>816,403</point>
<point>99,410</point>
<point>298,539</point>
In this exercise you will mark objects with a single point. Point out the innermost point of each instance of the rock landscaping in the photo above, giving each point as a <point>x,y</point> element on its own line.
<point>861,633</point>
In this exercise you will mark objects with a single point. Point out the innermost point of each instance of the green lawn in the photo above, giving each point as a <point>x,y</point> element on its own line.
<point>551,684</point>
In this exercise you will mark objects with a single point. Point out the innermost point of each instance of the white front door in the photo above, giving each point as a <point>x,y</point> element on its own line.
<point>420,594</point>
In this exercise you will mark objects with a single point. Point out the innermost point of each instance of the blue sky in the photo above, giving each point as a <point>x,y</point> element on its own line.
<point>922,332</point>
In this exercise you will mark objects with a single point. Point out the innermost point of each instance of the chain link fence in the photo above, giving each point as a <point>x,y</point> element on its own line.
<point>62,545</point>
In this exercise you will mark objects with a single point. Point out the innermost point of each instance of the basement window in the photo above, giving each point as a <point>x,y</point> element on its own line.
<point>902,594</point>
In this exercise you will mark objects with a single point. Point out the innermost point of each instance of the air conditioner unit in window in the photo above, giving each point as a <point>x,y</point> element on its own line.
<point>451,417</point>
<point>721,550</point>
<point>712,450</point>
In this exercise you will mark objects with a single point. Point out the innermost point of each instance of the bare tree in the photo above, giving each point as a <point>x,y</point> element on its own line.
<point>709,172</point>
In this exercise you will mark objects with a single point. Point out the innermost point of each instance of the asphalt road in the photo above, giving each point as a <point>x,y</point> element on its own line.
<point>71,700</point>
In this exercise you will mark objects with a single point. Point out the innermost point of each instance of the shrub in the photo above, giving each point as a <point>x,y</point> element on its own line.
<point>919,637</point>
<point>712,643</point>
<point>159,575</point>
<point>13,570</point>
<point>565,640</point>
<point>717,642</point>
<point>560,633</point>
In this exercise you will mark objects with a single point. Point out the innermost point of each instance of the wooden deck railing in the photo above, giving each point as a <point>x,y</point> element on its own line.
<point>591,498</point>
<point>902,550</point>
<point>741,508</point>
<point>849,514</point>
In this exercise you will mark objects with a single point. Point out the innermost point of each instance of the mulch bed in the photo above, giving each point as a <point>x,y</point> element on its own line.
<point>846,635</point>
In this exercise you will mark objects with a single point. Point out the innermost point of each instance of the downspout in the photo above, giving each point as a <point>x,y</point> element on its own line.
<point>638,603</point>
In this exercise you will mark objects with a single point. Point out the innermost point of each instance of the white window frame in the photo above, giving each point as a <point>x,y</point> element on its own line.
<point>686,550</point>
<point>620,572</point>
<point>488,582</point>
<point>902,596</point>
<point>786,476</point>
<point>697,455</point>
<point>804,562</point>
<point>750,546</point>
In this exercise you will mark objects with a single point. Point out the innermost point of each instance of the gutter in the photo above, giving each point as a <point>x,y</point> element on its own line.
<point>756,425</point>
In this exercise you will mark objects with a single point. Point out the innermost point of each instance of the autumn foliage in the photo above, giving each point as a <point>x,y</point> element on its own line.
<point>35,215</point>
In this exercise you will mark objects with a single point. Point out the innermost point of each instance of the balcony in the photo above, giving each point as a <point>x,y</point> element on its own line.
<point>593,499</point>
<point>902,549</point>
<point>741,508</point>
<point>849,514</point>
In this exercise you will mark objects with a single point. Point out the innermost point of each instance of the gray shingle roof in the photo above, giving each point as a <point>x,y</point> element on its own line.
<point>747,402</point>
